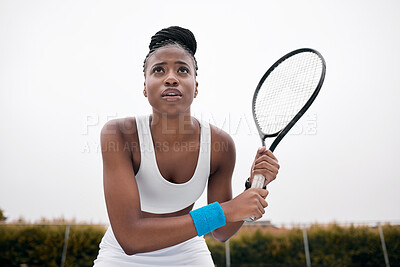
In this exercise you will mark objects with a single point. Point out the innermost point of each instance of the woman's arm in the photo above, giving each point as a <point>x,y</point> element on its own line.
<point>250,203</point>
<point>134,233</point>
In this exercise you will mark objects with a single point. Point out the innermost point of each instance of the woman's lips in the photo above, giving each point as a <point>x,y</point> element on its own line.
<point>171,94</point>
<point>172,98</point>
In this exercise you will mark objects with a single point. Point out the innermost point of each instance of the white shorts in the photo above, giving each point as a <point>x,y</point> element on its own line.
<point>193,252</point>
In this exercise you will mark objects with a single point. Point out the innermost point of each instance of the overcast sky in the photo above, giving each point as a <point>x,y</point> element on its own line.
<point>67,67</point>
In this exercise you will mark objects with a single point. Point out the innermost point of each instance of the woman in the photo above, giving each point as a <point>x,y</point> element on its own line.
<point>155,167</point>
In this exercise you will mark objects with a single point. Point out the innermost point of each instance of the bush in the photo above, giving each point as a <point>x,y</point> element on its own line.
<point>333,245</point>
<point>42,245</point>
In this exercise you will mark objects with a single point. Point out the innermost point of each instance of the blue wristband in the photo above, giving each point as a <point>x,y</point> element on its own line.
<point>208,218</point>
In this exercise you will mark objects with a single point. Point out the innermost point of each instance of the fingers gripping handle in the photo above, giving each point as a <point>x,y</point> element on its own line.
<point>258,182</point>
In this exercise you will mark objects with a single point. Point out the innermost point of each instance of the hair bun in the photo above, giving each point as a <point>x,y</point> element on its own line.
<point>174,34</point>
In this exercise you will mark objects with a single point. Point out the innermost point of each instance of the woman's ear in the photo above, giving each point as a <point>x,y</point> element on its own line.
<point>195,90</point>
<point>144,90</point>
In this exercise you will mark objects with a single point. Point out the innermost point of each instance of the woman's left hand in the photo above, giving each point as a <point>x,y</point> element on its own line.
<point>265,164</point>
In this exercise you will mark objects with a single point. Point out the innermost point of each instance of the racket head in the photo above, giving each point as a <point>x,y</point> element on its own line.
<point>286,91</point>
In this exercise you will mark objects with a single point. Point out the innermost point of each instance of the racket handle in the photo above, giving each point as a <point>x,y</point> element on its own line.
<point>258,182</point>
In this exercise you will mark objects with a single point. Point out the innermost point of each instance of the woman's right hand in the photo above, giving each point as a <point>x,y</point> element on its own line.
<point>249,204</point>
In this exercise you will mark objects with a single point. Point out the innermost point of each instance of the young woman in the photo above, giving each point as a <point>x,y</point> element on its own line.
<point>155,167</point>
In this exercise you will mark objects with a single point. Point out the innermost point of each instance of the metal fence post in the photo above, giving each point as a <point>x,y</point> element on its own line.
<point>64,253</point>
<point>227,254</point>
<point>385,254</point>
<point>306,249</point>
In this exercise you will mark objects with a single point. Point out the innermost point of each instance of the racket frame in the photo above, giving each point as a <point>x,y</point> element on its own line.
<point>258,180</point>
<point>281,133</point>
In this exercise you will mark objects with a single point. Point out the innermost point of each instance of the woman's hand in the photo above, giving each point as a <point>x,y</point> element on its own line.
<point>265,164</point>
<point>250,203</point>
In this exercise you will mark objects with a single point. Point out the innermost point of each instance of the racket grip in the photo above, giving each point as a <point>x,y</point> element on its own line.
<point>258,182</point>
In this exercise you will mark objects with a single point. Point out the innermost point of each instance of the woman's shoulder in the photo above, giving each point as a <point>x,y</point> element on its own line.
<point>121,129</point>
<point>223,151</point>
<point>222,147</point>
<point>120,126</point>
<point>219,135</point>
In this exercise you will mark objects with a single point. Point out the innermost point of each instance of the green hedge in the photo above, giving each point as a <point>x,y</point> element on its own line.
<point>42,245</point>
<point>328,245</point>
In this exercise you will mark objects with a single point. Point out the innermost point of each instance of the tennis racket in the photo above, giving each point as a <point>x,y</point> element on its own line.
<point>284,94</point>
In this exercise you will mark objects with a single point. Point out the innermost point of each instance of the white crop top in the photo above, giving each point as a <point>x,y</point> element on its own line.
<point>157,195</point>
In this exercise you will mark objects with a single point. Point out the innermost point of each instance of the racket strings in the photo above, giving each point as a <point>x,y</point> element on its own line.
<point>286,90</point>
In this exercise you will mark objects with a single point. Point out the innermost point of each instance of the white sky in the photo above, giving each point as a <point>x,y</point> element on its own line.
<point>66,67</point>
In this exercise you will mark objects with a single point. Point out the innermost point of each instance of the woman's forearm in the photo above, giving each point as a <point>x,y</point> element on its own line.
<point>222,234</point>
<point>150,234</point>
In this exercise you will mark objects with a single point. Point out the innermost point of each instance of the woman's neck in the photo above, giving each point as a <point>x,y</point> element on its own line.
<point>173,127</point>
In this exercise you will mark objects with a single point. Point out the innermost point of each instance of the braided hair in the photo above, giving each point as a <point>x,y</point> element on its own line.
<point>173,35</point>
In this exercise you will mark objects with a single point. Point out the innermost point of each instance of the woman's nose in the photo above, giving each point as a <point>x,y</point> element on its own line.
<point>171,80</point>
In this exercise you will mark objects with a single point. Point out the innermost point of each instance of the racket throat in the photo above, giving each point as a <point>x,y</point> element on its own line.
<point>262,137</point>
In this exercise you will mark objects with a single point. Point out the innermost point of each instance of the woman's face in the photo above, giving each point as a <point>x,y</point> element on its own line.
<point>170,80</point>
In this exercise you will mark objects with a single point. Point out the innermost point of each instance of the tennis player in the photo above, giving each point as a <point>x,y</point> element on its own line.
<point>156,166</point>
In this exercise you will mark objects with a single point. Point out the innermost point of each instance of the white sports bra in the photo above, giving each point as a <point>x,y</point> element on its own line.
<point>157,195</point>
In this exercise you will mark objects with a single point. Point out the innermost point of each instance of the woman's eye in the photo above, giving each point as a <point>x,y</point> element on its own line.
<point>158,70</point>
<point>183,70</point>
